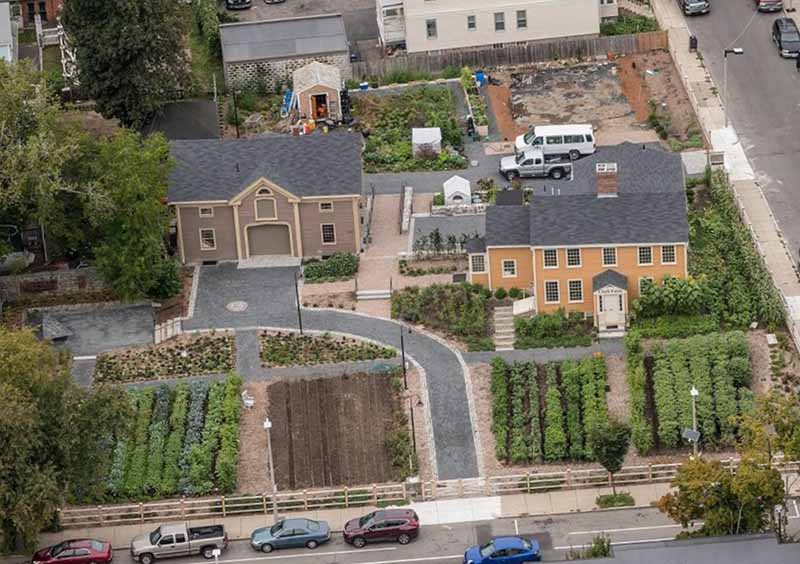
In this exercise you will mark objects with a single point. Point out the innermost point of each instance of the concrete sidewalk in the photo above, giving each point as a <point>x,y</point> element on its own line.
<point>755,210</point>
<point>438,512</point>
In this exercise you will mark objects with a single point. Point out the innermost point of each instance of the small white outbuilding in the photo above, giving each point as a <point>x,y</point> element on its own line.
<point>457,191</point>
<point>426,140</point>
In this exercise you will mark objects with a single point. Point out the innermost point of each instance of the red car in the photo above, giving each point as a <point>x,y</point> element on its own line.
<point>75,551</point>
<point>398,525</point>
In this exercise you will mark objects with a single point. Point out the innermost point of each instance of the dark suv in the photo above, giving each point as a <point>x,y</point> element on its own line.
<point>786,37</point>
<point>398,525</point>
<point>237,4</point>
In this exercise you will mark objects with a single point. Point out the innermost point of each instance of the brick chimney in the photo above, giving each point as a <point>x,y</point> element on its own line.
<point>606,180</point>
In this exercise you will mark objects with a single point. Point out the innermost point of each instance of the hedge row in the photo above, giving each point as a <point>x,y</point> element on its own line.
<point>527,429</point>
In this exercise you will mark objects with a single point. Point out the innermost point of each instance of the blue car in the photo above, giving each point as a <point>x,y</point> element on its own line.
<point>504,550</point>
<point>291,533</point>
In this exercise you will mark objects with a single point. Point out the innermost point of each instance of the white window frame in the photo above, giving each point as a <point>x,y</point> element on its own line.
<point>558,291</point>
<point>213,231</point>
<point>641,278</point>
<point>580,257</point>
<point>503,268</point>
<point>639,256</point>
<point>205,208</point>
<point>474,21</point>
<point>544,258</point>
<point>323,210</point>
<point>264,192</point>
<point>502,21</point>
<point>674,254</point>
<point>322,233</point>
<point>524,19</point>
<point>472,258</point>
<point>569,291</point>
<point>603,251</point>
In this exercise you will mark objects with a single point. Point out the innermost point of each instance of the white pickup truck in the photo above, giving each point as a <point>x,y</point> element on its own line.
<point>172,540</point>
<point>533,163</point>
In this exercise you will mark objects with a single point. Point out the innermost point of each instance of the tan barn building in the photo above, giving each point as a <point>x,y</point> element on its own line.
<point>317,87</point>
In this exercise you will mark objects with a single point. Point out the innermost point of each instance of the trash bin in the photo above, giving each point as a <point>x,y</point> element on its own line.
<point>480,77</point>
<point>692,43</point>
<point>363,86</point>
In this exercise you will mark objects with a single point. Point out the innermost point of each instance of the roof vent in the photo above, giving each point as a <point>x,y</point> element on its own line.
<point>606,167</point>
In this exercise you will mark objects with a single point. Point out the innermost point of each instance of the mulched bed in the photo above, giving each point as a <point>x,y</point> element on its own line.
<point>177,358</point>
<point>293,349</point>
<point>331,431</point>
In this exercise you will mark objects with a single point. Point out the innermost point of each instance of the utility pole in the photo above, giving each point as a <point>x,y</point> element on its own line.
<point>726,52</point>
<point>694,394</point>
<point>403,354</point>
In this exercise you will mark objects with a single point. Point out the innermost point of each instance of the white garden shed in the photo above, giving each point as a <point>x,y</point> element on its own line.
<point>457,191</point>
<point>426,140</point>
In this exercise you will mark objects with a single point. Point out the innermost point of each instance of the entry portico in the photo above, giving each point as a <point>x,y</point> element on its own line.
<point>610,293</point>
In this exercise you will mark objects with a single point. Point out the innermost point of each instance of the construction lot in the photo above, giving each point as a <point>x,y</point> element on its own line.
<point>614,96</point>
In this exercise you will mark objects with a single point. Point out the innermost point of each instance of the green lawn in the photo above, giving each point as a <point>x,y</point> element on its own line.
<point>204,66</point>
<point>51,59</point>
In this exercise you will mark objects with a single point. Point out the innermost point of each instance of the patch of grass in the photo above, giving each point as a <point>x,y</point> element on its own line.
<point>204,66</point>
<point>621,499</point>
<point>51,59</point>
<point>629,24</point>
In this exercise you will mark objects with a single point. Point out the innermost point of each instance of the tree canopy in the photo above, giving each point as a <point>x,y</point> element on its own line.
<point>130,53</point>
<point>51,446</point>
<point>609,444</point>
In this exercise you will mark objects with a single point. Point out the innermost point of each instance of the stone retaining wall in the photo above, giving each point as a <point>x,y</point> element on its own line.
<point>50,283</point>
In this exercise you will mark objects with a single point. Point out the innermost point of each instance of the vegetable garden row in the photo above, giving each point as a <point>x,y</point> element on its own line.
<point>718,365</point>
<point>544,412</point>
<point>183,440</point>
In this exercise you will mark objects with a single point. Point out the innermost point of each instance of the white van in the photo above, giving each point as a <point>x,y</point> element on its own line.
<point>572,140</point>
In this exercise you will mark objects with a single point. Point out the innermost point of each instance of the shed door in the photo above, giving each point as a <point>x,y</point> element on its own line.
<point>269,240</point>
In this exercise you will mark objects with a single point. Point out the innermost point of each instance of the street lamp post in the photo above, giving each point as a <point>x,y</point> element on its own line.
<point>694,392</point>
<point>267,428</point>
<point>297,277</point>
<point>403,355</point>
<point>726,52</point>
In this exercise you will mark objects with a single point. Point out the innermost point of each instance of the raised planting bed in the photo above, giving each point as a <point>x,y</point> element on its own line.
<point>349,430</point>
<point>547,330</point>
<point>183,441</point>
<point>435,265</point>
<point>660,380</point>
<point>544,412</point>
<point>178,358</point>
<point>293,349</point>
<point>386,121</point>
<point>457,310</point>
<point>339,266</point>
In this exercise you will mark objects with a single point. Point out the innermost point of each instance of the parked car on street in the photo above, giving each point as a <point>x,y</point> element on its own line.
<point>694,7</point>
<point>533,163</point>
<point>238,4</point>
<point>504,550</point>
<point>769,5</point>
<point>177,539</point>
<point>75,551</point>
<point>291,533</point>
<point>786,37</point>
<point>393,525</point>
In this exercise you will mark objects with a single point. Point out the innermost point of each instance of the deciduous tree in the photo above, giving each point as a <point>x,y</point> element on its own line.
<point>130,53</point>
<point>608,443</point>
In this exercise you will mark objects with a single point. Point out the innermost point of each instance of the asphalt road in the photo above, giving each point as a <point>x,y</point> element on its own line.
<point>445,544</point>
<point>763,101</point>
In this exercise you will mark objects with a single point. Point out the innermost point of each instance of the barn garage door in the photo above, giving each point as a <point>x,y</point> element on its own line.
<point>269,240</point>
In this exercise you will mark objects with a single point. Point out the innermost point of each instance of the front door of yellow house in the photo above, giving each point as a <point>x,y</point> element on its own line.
<point>611,308</point>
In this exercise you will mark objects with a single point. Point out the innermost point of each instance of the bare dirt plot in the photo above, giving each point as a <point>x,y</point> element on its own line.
<point>331,431</point>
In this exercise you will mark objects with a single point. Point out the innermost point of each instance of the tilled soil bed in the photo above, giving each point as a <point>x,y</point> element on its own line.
<point>331,431</point>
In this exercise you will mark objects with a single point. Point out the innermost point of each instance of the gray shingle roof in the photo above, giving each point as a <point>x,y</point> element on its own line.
<point>628,218</point>
<point>609,277</point>
<point>641,169</point>
<point>475,245</point>
<point>310,165</point>
<point>283,39</point>
<point>507,225</point>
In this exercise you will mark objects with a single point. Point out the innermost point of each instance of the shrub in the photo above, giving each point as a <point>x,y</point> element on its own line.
<point>500,293</point>
<point>552,330</point>
<point>519,415</point>
<point>438,199</point>
<point>338,265</point>
<point>291,349</point>
<point>515,294</point>
<point>457,309</point>
<point>168,280</point>
<point>620,499</point>
<point>555,440</point>
<point>170,477</point>
<point>629,24</point>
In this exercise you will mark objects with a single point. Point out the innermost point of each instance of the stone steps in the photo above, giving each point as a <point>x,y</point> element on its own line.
<point>373,295</point>
<point>635,7</point>
<point>504,328</point>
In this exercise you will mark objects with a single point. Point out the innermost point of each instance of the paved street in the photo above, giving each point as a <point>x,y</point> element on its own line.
<point>764,102</point>
<point>631,530</point>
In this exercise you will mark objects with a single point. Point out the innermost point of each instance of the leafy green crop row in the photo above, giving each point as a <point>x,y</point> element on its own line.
<point>527,429</point>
